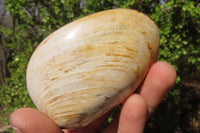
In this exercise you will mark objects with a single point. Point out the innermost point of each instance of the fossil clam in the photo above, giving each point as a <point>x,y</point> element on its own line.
<point>88,66</point>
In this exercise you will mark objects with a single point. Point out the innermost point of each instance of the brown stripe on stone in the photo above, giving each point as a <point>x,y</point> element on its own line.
<point>120,55</point>
<point>109,66</point>
<point>54,78</point>
<point>129,49</point>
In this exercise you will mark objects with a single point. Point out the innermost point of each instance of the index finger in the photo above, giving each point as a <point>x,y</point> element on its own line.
<point>160,79</point>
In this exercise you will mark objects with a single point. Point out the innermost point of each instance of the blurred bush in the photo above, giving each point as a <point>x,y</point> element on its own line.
<point>179,25</point>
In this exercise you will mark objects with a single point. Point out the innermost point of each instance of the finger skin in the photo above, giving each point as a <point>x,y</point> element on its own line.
<point>93,127</point>
<point>159,80</point>
<point>28,120</point>
<point>133,115</point>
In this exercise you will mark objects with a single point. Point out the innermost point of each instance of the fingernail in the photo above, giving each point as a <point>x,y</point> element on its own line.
<point>65,131</point>
<point>16,130</point>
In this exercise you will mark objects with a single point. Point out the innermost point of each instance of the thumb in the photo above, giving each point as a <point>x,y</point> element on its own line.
<point>28,120</point>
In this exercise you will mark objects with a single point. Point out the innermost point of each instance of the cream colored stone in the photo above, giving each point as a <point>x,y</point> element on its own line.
<point>87,67</point>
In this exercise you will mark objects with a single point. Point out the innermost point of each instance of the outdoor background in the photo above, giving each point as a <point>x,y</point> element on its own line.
<point>25,23</point>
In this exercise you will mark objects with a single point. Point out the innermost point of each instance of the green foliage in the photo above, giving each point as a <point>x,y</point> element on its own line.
<point>15,95</point>
<point>32,22</point>
<point>178,22</point>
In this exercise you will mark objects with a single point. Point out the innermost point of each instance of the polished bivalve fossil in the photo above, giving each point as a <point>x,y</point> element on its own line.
<point>85,68</point>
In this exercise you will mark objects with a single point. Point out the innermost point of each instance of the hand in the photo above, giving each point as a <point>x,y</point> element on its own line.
<point>134,113</point>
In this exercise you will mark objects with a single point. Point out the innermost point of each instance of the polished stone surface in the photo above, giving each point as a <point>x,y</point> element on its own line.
<point>87,67</point>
